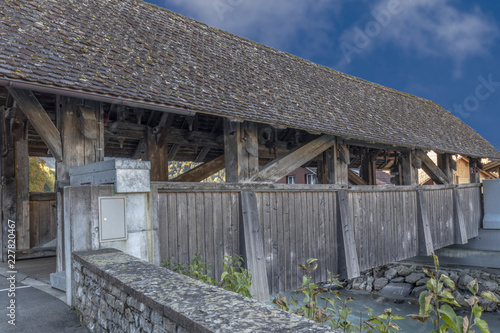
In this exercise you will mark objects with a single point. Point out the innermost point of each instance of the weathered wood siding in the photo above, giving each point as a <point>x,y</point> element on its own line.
<point>472,209</point>
<point>43,218</point>
<point>205,222</point>
<point>300,222</point>
<point>385,226</point>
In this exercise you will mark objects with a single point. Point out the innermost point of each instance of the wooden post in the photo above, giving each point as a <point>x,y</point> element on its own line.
<point>77,150</point>
<point>158,155</point>
<point>348,263</point>
<point>2,151</point>
<point>425,243</point>
<point>444,163</point>
<point>21,157</point>
<point>337,164</point>
<point>475,175</point>
<point>368,170</point>
<point>241,150</point>
<point>252,246</point>
<point>459,219</point>
<point>409,171</point>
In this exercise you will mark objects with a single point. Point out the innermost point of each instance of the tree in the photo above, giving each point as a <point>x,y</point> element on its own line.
<point>37,174</point>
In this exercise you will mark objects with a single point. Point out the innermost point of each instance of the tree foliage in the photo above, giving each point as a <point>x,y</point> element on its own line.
<point>41,177</point>
<point>177,168</point>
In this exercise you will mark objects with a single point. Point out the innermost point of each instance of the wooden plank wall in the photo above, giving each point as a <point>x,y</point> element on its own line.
<point>300,222</point>
<point>203,222</point>
<point>385,226</point>
<point>43,218</point>
<point>471,207</point>
<point>440,210</point>
<point>297,226</point>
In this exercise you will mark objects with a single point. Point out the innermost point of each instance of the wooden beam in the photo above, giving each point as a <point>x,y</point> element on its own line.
<point>355,179</point>
<point>158,155</point>
<point>425,243</point>
<point>431,169</point>
<point>88,122</point>
<point>459,219</point>
<point>346,241</point>
<point>22,188</point>
<point>409,172</point>
<point>203,171</point>
<point>443,163</point>
<point>173,151</point>
<point>282,166</point>
<point>252,246</point>
<point>336,161</point>
<point>39,119</point>
<point>241,150</point>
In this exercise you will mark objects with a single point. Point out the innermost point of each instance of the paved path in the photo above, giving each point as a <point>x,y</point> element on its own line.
<point>38,307</point>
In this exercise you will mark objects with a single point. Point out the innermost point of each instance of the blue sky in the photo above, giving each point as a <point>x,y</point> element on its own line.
<point>443,50</point>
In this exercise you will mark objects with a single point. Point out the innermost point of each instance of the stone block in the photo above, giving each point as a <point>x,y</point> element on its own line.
<point>58,280</point>
<point>397,289</point>
<point>414,277</point>
<point>405,270</point>
<point>380,283</point>
<point>418,290</point>
<point>391,273</point>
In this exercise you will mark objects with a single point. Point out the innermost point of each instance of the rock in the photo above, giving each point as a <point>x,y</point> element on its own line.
<point>391,273</point>
<point>358,284</point>
<point>460,299</point>
<point>381,299</point>
<point>487,286</point>
<point>397,289</point>
<point>422,282</point>
<point>416,291</point>
<point>399,301</point>
<point>369,283</point>
<point>414,277</point>
<point>399,279</point>
<point>463,281</point>
<point>380,283</point>
<point>488,306</point>
<point>405,270</point>
<point>378,272</point>
<point>454,277</point>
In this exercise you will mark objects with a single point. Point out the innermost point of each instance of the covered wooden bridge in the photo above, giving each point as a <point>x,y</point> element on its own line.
<point>84,80</point>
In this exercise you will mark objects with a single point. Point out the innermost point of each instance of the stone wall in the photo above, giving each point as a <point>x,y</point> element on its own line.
<point>116,292</point>
<point>401,280</point>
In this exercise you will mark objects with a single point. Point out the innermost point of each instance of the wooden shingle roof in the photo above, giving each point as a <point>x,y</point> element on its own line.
<point>138,51</point>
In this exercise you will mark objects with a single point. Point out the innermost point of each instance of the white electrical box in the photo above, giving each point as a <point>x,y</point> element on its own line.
<point>491,192</point>
<point>112,224</point>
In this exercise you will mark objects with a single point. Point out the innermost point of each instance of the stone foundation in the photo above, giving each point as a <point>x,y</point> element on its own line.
<point>115,292</point>
<point>401,280</point>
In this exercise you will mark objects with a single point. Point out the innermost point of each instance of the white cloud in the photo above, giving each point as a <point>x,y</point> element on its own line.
<point>428,28</point>
<point>273,22</point>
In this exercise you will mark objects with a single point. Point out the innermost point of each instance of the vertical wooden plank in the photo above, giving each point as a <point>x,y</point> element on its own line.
<point>192,225</point>
<point>425,241</point>
<point>279,242</point>
<point>226,225</point>
<point>293,241</point>
<point>182,228</point>
<point>254,249</point>
<point>460,234</point>
<point>274,263</point>
<point>218,236</point>
<point>34,223</point>
<point>22,188</point>
<point>286,241</point>
<point>322,235</point>
<point>209,233</point>
<point>199,211</point>
<point>348,253</point>
<point>163,225</point>
<point>235,225</point>
<point>172,227</point>
<point>300,236</point>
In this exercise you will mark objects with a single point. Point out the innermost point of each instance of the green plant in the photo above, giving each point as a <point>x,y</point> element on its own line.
<point>334,313</point>
<point>234,277</point>
<point>382,323</point>
<point>438,298</point>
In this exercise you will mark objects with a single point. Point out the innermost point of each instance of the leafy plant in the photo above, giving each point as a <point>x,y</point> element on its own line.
<point>438,298</point>
<point>382,323</point>
<point>234,277</point>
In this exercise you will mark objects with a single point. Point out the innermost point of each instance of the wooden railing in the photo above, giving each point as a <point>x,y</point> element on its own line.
<point>297,222</point>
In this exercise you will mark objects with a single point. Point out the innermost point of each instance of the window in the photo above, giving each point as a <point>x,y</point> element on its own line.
<point>310,179</point>
<point>290,179</point>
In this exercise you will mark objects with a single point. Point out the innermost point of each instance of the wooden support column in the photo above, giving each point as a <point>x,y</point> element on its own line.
<point>77,150</point>
<point>410,165</point>
<point>241,150</point>
<point>3,150</point>
<point>475,175</point>
<point>444,163</point>
<point>203,171</point>
<point>425,243</point>
<point>282,166</point>
<point>459,219</point>
<point>158,155</point>
<point>21,157</point>
<point>431,169</point>
<point>336,164</point>
<point>252,246</point>
<point>348,263</point>
<point>368,170</point>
